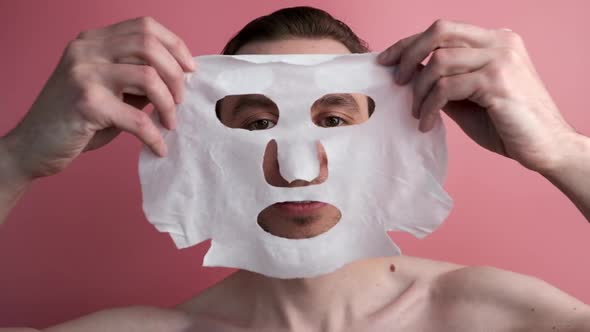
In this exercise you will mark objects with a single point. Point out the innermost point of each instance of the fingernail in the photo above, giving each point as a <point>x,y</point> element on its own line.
<point>421,127</point>
<point>163,149</point>
<point>180,97</point>
<point>172,124</point>
<point>192,64</point>
<point>415,113</point>
<point>423,123</point>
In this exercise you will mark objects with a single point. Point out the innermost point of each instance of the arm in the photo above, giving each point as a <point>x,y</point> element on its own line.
<point>572,175</point>
<point>12,182</point>
<point>127,319</point>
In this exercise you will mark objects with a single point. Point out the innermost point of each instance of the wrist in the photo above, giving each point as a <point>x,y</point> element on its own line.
<point>574,153</point>
<point>12,176</point>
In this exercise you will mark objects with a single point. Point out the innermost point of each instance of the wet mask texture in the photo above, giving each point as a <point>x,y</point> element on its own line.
<point>383,174</point>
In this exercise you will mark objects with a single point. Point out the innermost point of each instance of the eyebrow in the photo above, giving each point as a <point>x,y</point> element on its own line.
<point>339,99</point>
<point>253,100</point>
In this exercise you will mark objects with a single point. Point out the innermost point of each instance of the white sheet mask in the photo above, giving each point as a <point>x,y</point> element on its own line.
<point>383,174</point>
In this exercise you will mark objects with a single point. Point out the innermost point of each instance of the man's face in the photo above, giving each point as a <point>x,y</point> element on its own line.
<point>301,219</point>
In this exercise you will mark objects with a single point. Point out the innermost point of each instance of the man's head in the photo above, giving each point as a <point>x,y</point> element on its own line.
<point>299,30</point>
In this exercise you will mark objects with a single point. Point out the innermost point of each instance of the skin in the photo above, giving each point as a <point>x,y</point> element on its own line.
<point>493,93</point>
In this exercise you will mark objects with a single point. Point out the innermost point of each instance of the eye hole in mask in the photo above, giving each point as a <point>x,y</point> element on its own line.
<point>258,112</point>
<point>248,111</point>
<point>342,109</point>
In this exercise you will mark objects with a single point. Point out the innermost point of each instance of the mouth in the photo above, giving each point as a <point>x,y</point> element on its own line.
<point>300,207</point>
<point>298,219</point>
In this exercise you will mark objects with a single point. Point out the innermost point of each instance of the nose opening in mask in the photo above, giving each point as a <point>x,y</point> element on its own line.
<point>295,164</point>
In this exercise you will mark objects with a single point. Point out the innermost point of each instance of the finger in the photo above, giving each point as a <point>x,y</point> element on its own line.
<point>390,56</point>
<point>138,123</point>
<point>147,47</point>
<point>442,34</point>
<point>142,80</point>
<point>447,62</point>
<point>448,88</point>
<point>148,25</point>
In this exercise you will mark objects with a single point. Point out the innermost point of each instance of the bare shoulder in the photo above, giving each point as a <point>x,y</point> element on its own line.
<point>128,319</point>
<point>422,268</point>
<point>513,298</point>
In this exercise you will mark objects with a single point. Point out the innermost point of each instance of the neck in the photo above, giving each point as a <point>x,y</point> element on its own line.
<point>328,302</point>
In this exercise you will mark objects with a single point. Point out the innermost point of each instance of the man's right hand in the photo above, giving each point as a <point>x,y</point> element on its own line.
<point>103,80</point>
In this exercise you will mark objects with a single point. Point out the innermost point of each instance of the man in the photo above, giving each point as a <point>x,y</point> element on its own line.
<point>483,79</point>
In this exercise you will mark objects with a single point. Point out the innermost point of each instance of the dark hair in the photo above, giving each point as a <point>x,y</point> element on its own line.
<point>304,22</point>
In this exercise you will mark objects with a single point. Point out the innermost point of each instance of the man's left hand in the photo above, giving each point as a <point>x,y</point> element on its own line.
<point>485,81</point>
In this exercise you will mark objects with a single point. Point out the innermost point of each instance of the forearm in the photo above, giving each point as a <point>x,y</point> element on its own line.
<point>12,182</point>
<point>572,175</point>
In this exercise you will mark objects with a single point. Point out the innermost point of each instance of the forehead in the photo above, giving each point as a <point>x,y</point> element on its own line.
<point>295,46</point>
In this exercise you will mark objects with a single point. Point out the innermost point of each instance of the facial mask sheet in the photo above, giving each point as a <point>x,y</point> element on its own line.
<point>382,174</point>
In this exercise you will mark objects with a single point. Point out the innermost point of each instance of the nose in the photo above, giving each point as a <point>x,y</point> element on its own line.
<point>295,164</point>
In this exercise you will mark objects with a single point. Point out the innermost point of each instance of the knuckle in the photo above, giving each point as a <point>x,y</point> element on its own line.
<point>439,57</point>
<point>146,23</point>
<point>74,51</point>
<point>147,43</point>
<point>146,130</point>
<point>509,55</point>
<point>149,76</point>
<point>513,38</point>
<point>498,74</point>
<point>494,70</point>
<point>142,123</point>
<point>178,77</point>
<point>88,99</point>
<point>440,87</point>
<point>79,74</point>
<point>439,26</point>
<point>82,35</point>
<point>177,44</point>
<point>500,78</point>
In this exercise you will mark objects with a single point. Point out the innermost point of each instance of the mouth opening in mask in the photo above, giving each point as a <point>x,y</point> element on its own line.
<point>298,219</point>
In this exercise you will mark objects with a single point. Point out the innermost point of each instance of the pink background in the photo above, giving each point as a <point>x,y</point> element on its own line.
<point>78,242</point>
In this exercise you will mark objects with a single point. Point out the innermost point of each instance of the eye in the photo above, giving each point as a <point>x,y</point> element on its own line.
<point>331,121</point>
<point>261,124</point>
<point>341,109</point>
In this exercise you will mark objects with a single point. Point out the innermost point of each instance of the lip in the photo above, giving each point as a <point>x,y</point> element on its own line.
<point>300,207</point>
